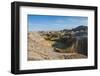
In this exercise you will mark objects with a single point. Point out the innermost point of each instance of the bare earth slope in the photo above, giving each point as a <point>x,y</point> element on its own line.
<point>41,49</point>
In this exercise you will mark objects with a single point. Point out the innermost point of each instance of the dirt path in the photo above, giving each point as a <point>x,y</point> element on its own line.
<point>40,49</point>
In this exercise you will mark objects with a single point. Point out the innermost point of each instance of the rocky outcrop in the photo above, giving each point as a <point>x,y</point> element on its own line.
<point>41,49</point>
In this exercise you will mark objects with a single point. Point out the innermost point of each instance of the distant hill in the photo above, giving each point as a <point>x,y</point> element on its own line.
<point>79,28</point>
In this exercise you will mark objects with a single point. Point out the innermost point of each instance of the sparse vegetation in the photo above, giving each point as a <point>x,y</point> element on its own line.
<point>68,41</point>
<point>63,44</point>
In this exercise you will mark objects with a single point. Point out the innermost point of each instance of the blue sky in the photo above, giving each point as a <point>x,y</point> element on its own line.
<point>54,23</point>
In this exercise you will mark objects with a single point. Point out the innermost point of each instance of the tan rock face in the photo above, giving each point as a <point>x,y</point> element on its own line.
<point>41,49</point>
